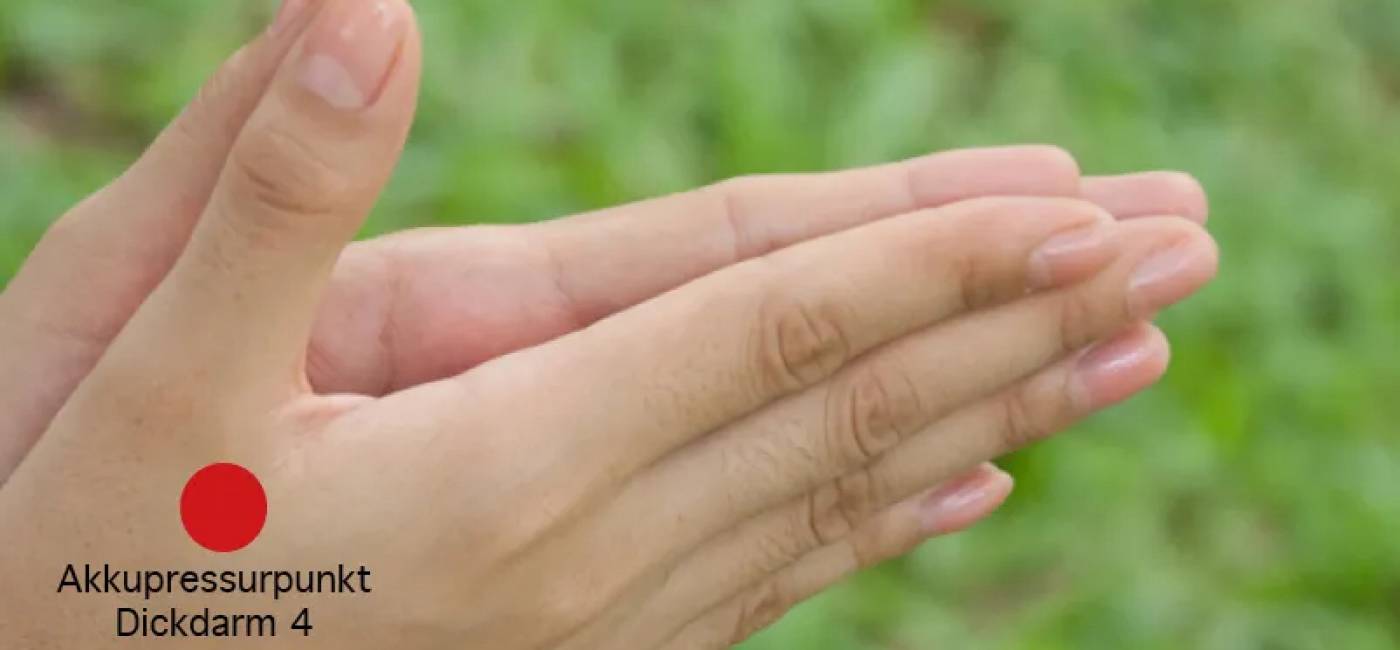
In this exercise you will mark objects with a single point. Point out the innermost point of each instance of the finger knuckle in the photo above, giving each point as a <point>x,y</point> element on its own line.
<point>871,413</point>
<point>726,197</point>
<point>878,542</point>
<point>735,190</point>
<point>759,608</point>
<point>778,548</point>
<point>1080,320</point>
<point>800,343</point>
<point>976,284</point>
<point>278,170</point>
<point>736,200</point>
<point>1021,422</point>
<point>736,186</point>
<point>985,244</point>
<point>838,507</point>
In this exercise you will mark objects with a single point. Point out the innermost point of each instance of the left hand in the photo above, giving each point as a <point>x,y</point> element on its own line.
<point>423,305</point>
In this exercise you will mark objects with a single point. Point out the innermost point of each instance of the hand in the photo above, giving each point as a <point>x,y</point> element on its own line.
<point>425,305</point>
<point>230,324</point>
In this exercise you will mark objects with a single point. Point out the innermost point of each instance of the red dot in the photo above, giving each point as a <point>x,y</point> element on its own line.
<point>223,507</point>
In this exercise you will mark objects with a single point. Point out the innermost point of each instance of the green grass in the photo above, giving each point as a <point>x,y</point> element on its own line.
<point>1250,501</point>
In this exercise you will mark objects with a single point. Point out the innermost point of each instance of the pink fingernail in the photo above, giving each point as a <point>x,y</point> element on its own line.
<point>1114,370</point>
<point>350,50</point>
<point>961,503</point>
<point>1067,256</point>
<point>1160,280</point>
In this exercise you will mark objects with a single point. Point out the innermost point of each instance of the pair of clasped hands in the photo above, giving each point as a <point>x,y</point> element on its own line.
<point>659,425</point>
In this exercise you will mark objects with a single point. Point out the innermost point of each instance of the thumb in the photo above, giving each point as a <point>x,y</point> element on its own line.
<point>302,175</point>
<point>95,265</point>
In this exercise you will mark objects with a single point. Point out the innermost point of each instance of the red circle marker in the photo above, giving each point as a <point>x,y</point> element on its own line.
<point>223,507</point>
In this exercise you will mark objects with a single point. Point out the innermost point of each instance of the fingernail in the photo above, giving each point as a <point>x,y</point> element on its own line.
<point>1067,256</point>
<point>286,15</point>
<point>1155,283</point>
<point>1119,367</point>
<point>964,501</point>
<point>349,51</point>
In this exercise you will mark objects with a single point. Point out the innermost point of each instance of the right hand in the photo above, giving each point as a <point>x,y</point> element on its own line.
<point>677,473</point>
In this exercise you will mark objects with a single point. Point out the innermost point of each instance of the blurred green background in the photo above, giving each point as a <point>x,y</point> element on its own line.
<point>1251,501</point>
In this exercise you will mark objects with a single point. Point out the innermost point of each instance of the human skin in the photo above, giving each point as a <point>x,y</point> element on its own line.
<point>791,406</point>
<point>426,304</point>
